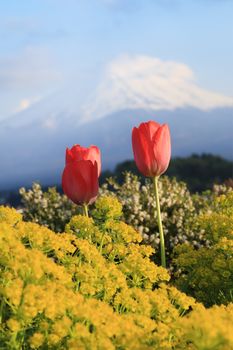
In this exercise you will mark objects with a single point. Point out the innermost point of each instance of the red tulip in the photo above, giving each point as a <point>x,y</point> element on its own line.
<point>152,148</point>
<point>80,176</point>
<point>81,153</point>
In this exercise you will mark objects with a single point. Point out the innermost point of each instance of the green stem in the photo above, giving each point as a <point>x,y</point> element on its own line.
<point>101,243</point>
<point>85,209</point>
<point>162,244</point>
<point>1,309</point>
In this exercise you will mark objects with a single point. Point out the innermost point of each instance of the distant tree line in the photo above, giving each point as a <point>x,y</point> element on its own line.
<point>200,172</point>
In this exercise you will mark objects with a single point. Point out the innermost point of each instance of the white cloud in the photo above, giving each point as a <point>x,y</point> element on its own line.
<point>33,71</point>
<point>143,82</point>
<point>32,68</point>
<point>25,103</point>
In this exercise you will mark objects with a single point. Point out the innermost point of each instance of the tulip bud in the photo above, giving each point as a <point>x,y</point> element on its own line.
<point>78,152</point>
<point>80,175</point>
<point>152,148</point>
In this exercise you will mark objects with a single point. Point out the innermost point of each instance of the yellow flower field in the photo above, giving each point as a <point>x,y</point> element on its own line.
<point>96,286</point>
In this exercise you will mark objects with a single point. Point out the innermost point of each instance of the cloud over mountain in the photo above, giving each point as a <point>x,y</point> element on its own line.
<point>144,82</point>
<point>25,77</point>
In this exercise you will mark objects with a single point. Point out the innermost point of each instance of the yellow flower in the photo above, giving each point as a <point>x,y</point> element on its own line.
<point>36,340</point>
<point>14,325</point>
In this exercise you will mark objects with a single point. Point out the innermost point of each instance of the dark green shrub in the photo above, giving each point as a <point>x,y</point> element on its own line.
<point>207,273</point>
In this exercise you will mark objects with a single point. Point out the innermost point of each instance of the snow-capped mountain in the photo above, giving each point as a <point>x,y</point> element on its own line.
<point>143,82</point>
<point>131,90</point>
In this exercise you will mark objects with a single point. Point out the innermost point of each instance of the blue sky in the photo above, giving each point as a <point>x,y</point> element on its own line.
<point>48,45</point>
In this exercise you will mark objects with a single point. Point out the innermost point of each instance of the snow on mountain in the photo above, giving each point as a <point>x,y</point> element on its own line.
<point>142,82</point>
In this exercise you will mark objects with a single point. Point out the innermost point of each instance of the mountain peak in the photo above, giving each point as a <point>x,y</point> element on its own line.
<point>142,82</point>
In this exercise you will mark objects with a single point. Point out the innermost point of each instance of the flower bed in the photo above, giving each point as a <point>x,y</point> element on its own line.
<point>96,286</point>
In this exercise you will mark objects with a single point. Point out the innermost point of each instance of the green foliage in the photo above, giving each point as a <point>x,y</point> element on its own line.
<point>207,273</point>
<point>200,172</point>
<point>218,223</point>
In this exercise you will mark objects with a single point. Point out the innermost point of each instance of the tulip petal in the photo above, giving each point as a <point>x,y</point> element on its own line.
<point>77,153</point>
<point>93,154</point>
<point>149,129</point>
<point>94,183</point>
<point>141,150</point>
<point>69,155</point>
<point>73,184</point>
<point>89,173</point>
<point>162,148</point>
<point>80,181</point>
